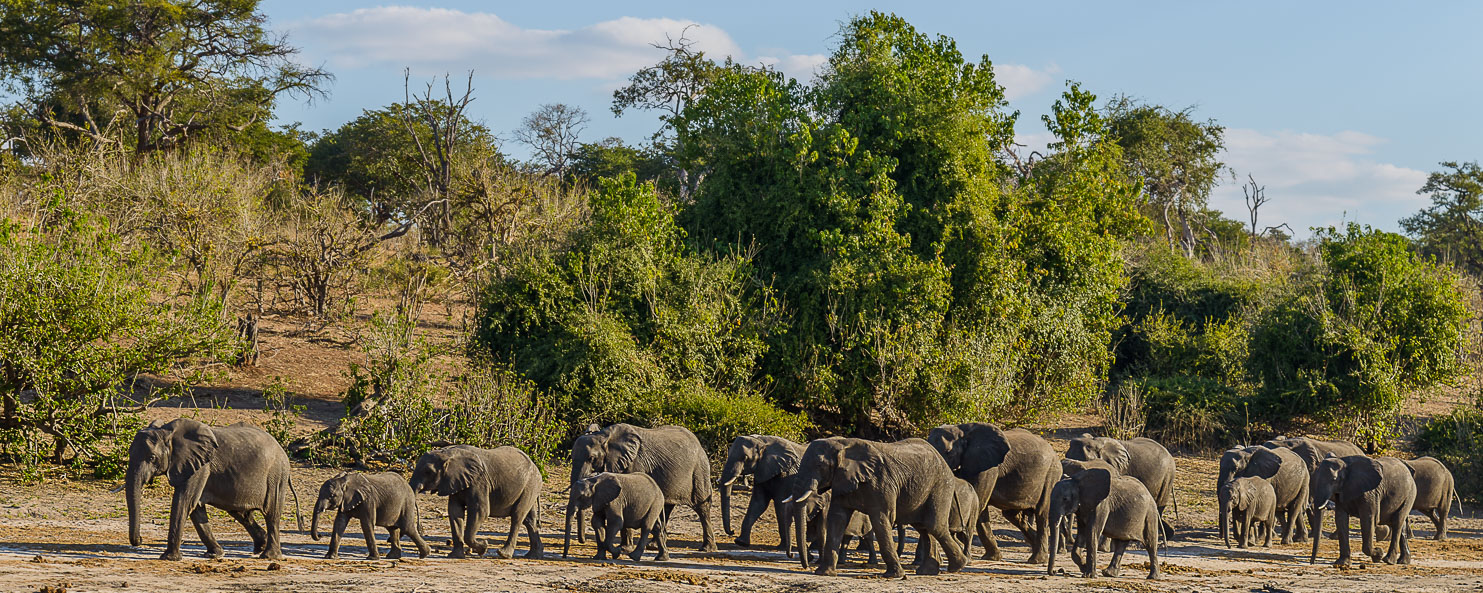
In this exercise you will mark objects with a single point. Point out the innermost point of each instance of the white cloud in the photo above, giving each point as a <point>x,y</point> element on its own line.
<point>1021,81</point>
<point>1317,180</point>
<point>800,66</point>
<point>456,40</point>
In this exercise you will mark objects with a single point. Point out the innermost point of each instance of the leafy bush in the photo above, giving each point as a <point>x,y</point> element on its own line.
<point>283,415</point>
<point>1457,440</point>
<point>80,321</point>
<point>1193,412</point>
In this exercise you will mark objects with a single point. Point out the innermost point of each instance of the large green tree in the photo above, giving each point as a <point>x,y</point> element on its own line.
<point>1177,157</point>
<point>1452,227</point>
<point>148,74</point>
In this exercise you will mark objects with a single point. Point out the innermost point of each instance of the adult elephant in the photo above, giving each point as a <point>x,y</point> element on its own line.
<point>669,454</point>
<point>1435,491</point>
<point>770,461</point>
<point>1379,490</point>
<point>905,481</point>
<point>1314,451</point>
<point>1011,470</point>
<point>479,483</point>
<point>1281,468</point>
<point>238,469</point>
<point>1142,458</point>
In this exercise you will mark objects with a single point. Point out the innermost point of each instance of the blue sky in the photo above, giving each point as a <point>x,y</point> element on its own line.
<point>1340,109</point>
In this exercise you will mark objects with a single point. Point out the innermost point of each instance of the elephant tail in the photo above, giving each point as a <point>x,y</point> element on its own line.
<point>1456,500</point>
<point>298,513</point>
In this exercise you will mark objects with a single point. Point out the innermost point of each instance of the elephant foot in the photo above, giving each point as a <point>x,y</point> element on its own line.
<point>331,556</point>
<point>478,549</point>
<point>504,553</point>
<point>708,547</point>
<point>890,574</point>
<point>957,566</point>
<point>216,554</point>
<point>1088,574</point>
<point>662,557</point>
<point>829,572</point>
<point>533,555</point>
<point>994,555</point>
<point>743,542</point>
<point>929,569</point>
<point>394,555</point>
<point>458,554</point>
<point>175,555</point>
<point>1038,558</point>
<point>374,556</point>
<point>636,555</point>
<point>271,555</point>
<point>1109,572</point>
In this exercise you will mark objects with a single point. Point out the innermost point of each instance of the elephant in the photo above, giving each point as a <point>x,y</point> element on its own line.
<point>1314,451</point>
<point>624,501</point>
<point>808,527</point>
<point>669,454</point>
<point>1379,490</point>
<point>1119,508</point>
<point>1288,476</point>
<point>1435,491</point>
<point>1252,501</point>
<point>905,481</point>
<point>479,483</point>
<point>237,468</point>
<point>378,500</point>
<point>966,510</point>
<point>1011,470</point>
<point>1142,458</point>
<point>770,461</point>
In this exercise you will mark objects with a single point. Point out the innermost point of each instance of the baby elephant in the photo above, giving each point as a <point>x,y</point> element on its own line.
<point>1117,507</point>
<point>623,501</point>
<point>1253,501</point>
<point>378,500</point>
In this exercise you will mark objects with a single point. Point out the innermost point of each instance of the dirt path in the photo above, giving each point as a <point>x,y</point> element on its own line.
<point>73,536</point>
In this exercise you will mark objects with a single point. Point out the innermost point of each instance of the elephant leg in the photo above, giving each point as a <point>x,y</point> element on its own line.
<point>754,510</point>
<point>272,517</point>
<point>508,550</point>
<point>609,542</point>
<point>1037,540</point>
<point>1398,534</point>
<point>986,536</point>
<point>1405,545</point>
<point>456,511</point>
<point>410,527</point>
<point>1115,566</point>
<point>662,539</point>
<point>1341,533</point>
<point>1151,534</point>
<point>703,514</point>
<point>368,529</point>
<point>836,521</point>
<point>880,525</point>
<point>1439,524</point>
<point>255,531</point>
<point>638,550</point>
<point>1288,521</point>
<point>940,533</point>
<point>1367,537</point>
<point>184,501</point>
<point>474,515</point>
<point>341,521</point>
<point>1244,539</point>
<point>780,512</point>
<point>533,532</point>
<point>925,549</point>
<point>203,529</point>
<point>394,537</point>
<point>1095,529</point>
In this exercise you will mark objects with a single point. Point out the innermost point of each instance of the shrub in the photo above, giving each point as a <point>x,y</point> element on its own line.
<point>283,415</point>
<point>80,321</point>
<point>1457,440</point>
<point>1123,413</point>
<point>1193,412</point>
<point>717,418</point>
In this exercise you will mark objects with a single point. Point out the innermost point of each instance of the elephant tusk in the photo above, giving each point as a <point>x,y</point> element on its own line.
<point>804,496</point>
<point>730,482</point>
<point>117,489</point>
<point>787,500</point>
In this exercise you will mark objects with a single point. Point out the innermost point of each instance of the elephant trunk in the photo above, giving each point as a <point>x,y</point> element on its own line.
<point>800,531</point>
<point>566,540</point>
<point>1317,532</point>
<point>319,507</point>
<point>726,504</point>
<point>1055,533</point>
<point>134,481</point>
<point>1225,515</point>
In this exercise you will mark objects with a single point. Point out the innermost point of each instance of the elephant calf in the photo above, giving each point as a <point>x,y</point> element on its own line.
<point>1117,507</point>
<point>623,501</point>
<point>479,483</point>
<point>378,500</point>
<point>1253,502</point>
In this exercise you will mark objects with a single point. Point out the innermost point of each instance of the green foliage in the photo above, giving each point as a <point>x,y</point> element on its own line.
<point>612,158</point>
<point>1456,439</point>
<point>1193,411</point>
<point>148,75</point>
<point>1348,348</point>
<point>1177,159</point>
<point>1451,229</point>
<point>80,321</point>
<point>621,322</point>
<point>283,415</point>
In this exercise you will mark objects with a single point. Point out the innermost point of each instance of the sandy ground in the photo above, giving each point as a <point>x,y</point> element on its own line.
<point>72,536</point>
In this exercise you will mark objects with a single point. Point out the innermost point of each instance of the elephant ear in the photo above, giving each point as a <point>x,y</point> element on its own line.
<point>1361,474</point>
<point>985,450</point>
<point>192,445</point>
<point>1264,463</point>
<point>1310,455</point>
<point>1094,485</point>
<point>605,489</point>
<point>853,467</point>
<point>357,491</point>
<point>622,450</point>
<point>1116,455</point>
<point>460,473</point>
<point>775,462</point>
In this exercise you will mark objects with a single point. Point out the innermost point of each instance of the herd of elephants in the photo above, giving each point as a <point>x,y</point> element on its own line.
<point>824,493</point>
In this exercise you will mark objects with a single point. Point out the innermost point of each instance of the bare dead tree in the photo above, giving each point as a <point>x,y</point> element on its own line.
<point>1256,195</point>
<point>445,122</point>
<point>552,132</point>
